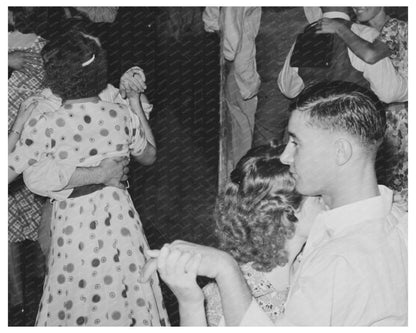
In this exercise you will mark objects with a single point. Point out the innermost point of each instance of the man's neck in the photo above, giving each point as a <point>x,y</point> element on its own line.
<point>352,189</point>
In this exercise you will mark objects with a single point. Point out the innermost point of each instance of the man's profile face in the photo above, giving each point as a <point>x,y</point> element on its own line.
<point>309,153</point>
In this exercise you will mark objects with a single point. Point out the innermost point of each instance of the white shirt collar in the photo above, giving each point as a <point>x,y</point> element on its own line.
<point>333,15</point>
<point>332,222</point>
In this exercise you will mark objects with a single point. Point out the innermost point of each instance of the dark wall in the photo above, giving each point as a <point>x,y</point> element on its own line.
<point>175,197</point>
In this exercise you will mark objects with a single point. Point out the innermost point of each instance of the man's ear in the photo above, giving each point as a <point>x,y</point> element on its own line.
<point>343,151</point>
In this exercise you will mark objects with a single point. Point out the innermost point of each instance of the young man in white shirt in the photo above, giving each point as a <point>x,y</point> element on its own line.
<point>354,266</point>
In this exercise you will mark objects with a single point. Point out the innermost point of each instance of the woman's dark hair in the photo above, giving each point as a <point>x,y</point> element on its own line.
<point>256,213</point>
<point>75,66</point>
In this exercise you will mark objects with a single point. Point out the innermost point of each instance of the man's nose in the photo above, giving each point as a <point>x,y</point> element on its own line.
<point>287,156</point>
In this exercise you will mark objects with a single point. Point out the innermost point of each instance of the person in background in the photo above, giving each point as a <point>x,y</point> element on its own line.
<point>99,244</point>
<point>24,207</point>
<point>381,77</point>
<point>392,43</point>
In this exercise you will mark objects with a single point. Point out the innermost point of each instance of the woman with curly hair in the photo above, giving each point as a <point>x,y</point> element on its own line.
<point>258,224</point>
<point>263,223</point>
<point>98,243</point>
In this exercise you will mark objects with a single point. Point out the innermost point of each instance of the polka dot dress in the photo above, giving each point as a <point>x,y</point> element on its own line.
<point>98,243</point>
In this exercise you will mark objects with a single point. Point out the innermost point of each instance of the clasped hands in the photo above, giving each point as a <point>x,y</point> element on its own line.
<point>180,262</point>
<point>132,82</point>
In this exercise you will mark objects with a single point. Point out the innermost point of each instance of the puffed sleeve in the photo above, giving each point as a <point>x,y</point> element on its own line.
<point>138,136</point>
<point>58,176</point>
<point>33,145</point>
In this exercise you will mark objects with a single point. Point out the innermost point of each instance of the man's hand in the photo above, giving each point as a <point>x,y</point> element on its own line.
<point>330,26</point>
<point>132,80</point>
<point>114,171</point>
<point>23,61</point>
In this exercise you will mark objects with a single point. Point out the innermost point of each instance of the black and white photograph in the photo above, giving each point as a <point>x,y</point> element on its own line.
<point>207,165</point>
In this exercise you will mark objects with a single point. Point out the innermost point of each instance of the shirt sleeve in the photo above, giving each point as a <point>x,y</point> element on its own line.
<point>233,30</point>
<point>58,176</point>
<point>211,18</point>
<point>289,81</point>
<point>384,80</point>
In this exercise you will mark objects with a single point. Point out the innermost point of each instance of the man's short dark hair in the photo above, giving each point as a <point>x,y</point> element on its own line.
<point>344,106</point>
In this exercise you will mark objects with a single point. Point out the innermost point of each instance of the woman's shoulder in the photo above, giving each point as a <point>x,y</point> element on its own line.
<point>113,105</point>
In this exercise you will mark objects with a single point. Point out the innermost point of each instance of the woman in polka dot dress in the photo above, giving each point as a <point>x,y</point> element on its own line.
<point>98,243</point>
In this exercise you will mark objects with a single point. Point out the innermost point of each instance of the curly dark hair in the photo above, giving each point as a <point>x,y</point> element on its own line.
<point>75,66</point>
<point>256,213</point>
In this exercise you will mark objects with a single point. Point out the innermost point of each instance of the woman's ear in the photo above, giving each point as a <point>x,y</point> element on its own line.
<point>343,151</point>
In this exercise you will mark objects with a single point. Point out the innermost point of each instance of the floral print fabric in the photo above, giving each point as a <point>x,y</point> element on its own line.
<point>395,34</point>
<point>270,300</point>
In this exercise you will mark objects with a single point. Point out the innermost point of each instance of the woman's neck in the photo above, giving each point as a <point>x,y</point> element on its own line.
<point>93,99</point>
<point>379,20</point>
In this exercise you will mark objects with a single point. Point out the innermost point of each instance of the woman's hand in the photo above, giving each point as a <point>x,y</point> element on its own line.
<point>179,270</point>
<point>131,81</point>
<point>330,26</point>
